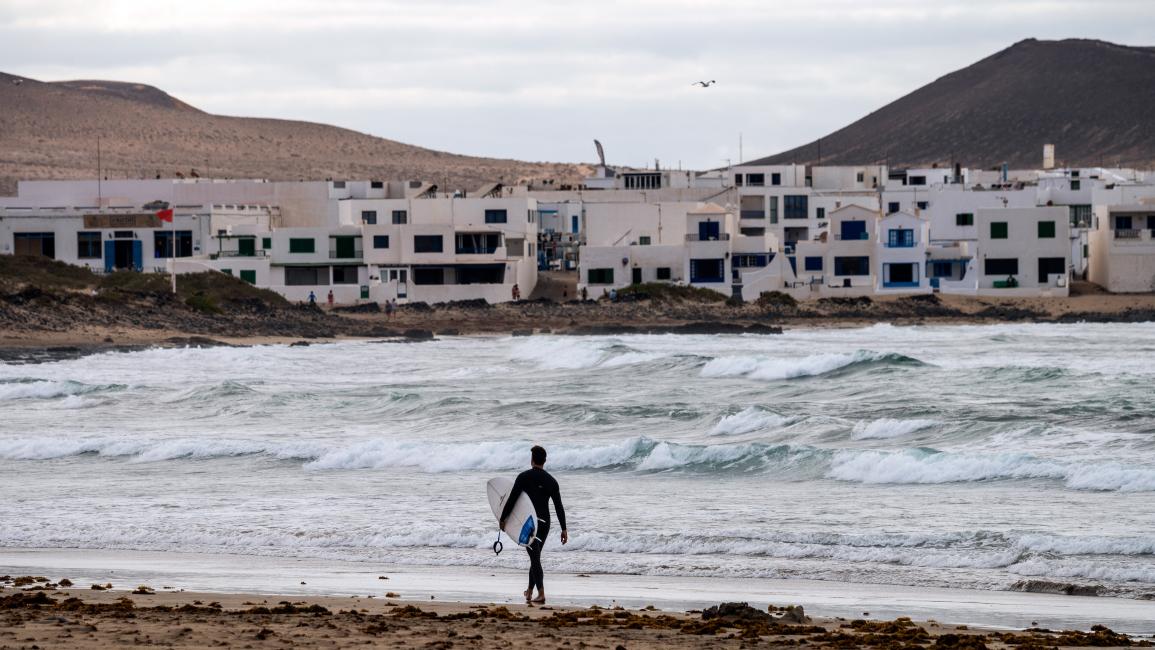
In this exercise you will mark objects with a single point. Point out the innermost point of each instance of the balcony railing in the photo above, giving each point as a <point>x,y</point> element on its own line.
<point>722,236</point>
<point>476,250</point>
<point>862,236</point>
<point>256,253</point>
<point>355,254</point>
<point>753,214</point>
<point>899,244</point>
<point>1130,233</point>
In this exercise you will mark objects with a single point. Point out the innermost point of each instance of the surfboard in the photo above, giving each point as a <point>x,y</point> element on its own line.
<point>521,525</point>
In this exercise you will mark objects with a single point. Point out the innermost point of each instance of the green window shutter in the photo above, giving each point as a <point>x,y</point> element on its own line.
<point>227,271</point>
<point>964,219</point>
<point>247,247</point>
<point>345,247</point>
<point>249,276</point>
<point>1046,230</point>
<point>302,246</point>
<point>266,243</point>
<point>998,230</point>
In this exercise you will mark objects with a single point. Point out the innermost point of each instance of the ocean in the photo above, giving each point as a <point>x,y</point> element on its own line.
<point>1002,457</point>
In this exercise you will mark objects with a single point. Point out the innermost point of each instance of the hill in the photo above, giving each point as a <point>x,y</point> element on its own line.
<point>49,130</point>
<point>1091,99</point>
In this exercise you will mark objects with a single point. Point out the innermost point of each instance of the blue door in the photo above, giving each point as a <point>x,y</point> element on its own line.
<point>109,256</point>
<point>708,231</point>
<point>575,224</point>
<point>137,255</point>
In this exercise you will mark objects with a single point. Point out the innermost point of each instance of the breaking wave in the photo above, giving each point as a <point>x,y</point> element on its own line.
<point>774,369</point>
<point>748,420</point>
<point>14,389</point>
<point>889,428</point>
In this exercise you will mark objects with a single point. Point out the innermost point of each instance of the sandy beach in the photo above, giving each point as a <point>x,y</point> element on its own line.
<point>60,614</point>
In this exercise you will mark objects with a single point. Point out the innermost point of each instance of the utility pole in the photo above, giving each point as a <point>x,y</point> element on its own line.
<point>99,176</point>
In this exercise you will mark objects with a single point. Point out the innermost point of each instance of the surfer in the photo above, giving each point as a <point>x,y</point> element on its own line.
<point>541,487</point>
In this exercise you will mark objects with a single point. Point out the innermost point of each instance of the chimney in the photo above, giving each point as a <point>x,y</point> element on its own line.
<point>1048,156</point>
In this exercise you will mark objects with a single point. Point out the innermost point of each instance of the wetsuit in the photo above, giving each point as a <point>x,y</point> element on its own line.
<point>541,487</point>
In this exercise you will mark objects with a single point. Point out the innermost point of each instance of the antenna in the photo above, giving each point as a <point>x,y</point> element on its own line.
<point>740,156</point>
<point>99,175</point>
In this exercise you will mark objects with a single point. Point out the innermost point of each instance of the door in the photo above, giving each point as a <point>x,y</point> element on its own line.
<point>346,247</point>
<point>575,224</point>
<point>137,255</point>
<point>247,247</point>
<point>637,278</point>
<point>402,283</point>
<point>708,231</point>
<point>109,256</point>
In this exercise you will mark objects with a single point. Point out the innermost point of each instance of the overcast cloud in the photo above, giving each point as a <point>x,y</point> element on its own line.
<point>540,80</point>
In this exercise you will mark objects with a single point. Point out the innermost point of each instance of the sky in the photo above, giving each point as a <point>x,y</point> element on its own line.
<point>539,81</point>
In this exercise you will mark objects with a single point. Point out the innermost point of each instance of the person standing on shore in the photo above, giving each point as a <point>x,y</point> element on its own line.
<point>312,299</point>
<point>330,298</point>
<point>541,488</point>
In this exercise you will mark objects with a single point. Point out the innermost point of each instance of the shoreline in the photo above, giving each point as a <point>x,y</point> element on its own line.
<point>281,578</point>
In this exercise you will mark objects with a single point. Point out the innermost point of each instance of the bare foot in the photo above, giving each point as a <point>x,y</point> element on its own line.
<point>540,599</point>
<point>528,595</point>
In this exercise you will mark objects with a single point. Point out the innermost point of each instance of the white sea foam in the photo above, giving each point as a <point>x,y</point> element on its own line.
<point>748,420</point>
<point>884,428</point>
<point>773,369</point>
<point>41,389</point>
<point>550,353</point>
<point>450,457</point>
<point>1088,570</point>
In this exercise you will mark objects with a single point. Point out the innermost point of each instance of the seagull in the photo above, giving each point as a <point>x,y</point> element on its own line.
<point>704,84</point>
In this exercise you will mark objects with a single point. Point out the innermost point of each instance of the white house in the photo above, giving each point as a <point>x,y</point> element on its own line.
<point>1023,251</point>
<point>1122,247</point>
<point>901,254</point>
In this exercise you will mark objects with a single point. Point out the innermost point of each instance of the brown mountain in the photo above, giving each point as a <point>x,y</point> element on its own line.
<point>49,130</point>
<point>1094,101</point>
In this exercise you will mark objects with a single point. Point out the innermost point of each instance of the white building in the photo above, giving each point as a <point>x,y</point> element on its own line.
<point>1123,248</point>
<point>1023,251</point>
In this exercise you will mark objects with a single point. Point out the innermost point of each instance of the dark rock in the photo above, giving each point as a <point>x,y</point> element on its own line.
<point>418,334</point>
<point>523,332</point>
<point>300,344</point>
<point>415,306</point>
<point>449,332</point>
<point>364,308</point>
<point>476,303</point>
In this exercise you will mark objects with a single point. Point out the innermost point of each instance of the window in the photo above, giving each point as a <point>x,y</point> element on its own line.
<point>35,243</point>
<point>1046,230</point>
<point>998,230</point>
<point>400,217</point>
<point>1051,266</point>
<point>380,241</point>
<point>901,274</point>
<point>773,205</point>
<point>162,244</point>
<point>1001,266</point>
<point>738,180</point>
<point>964,219</point>
<point>495,216</point>
<point>427,244</point>
<point>775,179</point>
<point>941,269</point>
<point>852,265</point>
<point>302,245</point>
<point>860,177</point>
<point>663,273</point>
<point>1080,215</point>
<point>916,180</point>
<point>900,238</point>
<point>477,243</point>
<point>345,274</point>
<point>267,243</point>
<point>708,270</point>
<point>922,205</point>
<point>755,180</point>
<point>249,275</point>
<point>853,231</point>
<point>481,274</point>
<point>892,207</point>
<point>600,276</point>
<point>1075,185</point>
<point>300,276</point>
<point>1123,222</point>
<point>820,213</point>
<point>339,185</point>
<point>748,261</point>
<point>812,263</point>
<point>644,240</point>
<point>376,185</point>
<point>428,276</point>
<point>369,217</point>
<point>1074,173</point>
<point>516,247</point>
<point>88,245</point>
<point>795,207</point>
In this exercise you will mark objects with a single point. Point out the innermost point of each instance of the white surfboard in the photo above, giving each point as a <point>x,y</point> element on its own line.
<point>521,525</point>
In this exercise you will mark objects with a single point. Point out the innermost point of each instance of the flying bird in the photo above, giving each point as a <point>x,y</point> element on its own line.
<point>704,84</point>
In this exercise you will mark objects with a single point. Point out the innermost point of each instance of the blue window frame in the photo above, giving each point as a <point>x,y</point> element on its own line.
<point>496,216</point>
<point>756,260</point>
<point>900,238</point>
<point>941,269</point>
<point>852,265</point>
<point>708,230</point>
<point>813,263</point>
<point>709,270</point>
<point>902,274</point>
<point>795,207</point>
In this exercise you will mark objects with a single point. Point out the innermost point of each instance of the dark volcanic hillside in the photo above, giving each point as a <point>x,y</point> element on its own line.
<point>49,130</point>
<point>1094,101</point>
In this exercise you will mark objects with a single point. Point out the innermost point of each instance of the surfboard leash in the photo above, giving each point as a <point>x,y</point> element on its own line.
<point>497,545</point>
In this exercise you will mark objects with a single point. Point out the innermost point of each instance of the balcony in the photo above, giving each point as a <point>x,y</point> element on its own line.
<point>860,236</point>
<point>476,250</point>
<point>753,214</point>
<point>1128,233</point>
<point>900,244</point>
<point>725,236</point>
<point>354,254</point>
<point>228,254</point>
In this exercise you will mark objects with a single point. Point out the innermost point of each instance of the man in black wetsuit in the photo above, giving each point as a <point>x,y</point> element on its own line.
<point>541,487</point>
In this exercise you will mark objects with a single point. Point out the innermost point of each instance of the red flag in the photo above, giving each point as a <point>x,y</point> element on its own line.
<point>165,215</point>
